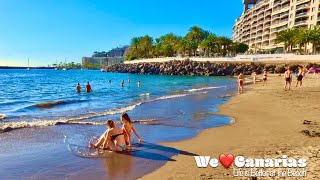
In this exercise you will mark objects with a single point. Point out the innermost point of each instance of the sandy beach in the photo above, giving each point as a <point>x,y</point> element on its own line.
<point>269,122</point>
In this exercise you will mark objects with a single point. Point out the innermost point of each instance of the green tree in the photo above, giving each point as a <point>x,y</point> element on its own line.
<point>303,39</point>
<point>288,37</point>
<point>314,38</point>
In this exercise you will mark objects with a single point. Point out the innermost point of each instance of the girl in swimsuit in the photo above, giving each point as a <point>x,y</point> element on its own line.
<point>299,77</point>
<point>288,79</point>
<point>240,83</point>
<point>264,78</point>
<point>127,128</point>
<point>112,138</point>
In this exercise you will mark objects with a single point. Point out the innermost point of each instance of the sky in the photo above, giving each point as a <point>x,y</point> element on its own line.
<point>50,31</point>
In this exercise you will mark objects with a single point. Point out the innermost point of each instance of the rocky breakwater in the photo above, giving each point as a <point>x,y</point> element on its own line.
<point>195,68</point>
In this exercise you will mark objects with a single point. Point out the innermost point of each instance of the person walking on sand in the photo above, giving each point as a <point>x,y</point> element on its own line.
<point>288,79</point>
<point>240,83</point>
<point>127,128</point>
<point>254,77</point>
<point>112,138</point>
<point>78,88</point>
<point>299,77</point>
<point>88,88</point>
<point>264,78</point>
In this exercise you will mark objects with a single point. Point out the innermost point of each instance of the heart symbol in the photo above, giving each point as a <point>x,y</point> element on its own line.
<point>226,161</point>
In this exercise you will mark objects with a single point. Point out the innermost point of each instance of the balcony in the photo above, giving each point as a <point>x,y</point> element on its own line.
<point>303,6</point>
<point>284,20</point>
<point>301,14</point>
<point>300,22</point>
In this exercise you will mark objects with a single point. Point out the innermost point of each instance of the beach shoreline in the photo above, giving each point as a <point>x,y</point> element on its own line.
<point>269,123</point>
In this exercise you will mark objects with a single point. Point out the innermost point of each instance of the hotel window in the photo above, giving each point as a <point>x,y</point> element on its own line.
<point>292,7</point>
<point>311,25</point>
<point>313,9</point>
<point>290,15</point>
<point>312,17</point>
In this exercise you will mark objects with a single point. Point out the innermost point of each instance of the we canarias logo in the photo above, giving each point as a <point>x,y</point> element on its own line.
<point>242,162</point>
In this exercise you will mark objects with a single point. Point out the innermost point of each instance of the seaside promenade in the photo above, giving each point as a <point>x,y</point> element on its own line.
<point>240,58</point>
<point>269,123</point>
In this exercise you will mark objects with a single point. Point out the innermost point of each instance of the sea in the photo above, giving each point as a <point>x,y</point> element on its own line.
<point>45,125</point>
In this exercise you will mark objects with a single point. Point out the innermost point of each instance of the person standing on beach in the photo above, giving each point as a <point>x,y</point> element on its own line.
<point>264,78</point>
<point>88,88</point>
<point>240,83</point>
<point>299,77</point>
<point>78,88</point>
<point>254,77</point>
<point>288,79</point>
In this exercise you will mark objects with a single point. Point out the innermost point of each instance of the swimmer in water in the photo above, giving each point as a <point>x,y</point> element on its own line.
<point>139,83</point>
<point>78,88</point>
<point>128,80</point>
<point>122,83</point>
<point>88,88</point>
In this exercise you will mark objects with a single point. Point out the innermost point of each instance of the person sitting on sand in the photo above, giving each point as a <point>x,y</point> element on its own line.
<point>127,128</point>
<point>288,79</point>
<point>112,138</point>
<point>299,77</point>
<point>264,78</point>
<point>254,77</point>
<point>88,88</point>
<point>240,82</point>
<point>78,88</point>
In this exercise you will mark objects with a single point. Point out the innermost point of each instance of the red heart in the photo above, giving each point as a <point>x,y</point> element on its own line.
<point>226,161</point>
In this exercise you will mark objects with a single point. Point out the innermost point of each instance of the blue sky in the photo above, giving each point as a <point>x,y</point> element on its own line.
<point>50,30</point>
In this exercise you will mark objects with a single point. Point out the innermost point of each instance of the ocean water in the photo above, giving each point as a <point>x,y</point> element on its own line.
<point>43,119</point>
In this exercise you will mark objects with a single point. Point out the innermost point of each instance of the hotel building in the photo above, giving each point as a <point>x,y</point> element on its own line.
<point>261,20</point>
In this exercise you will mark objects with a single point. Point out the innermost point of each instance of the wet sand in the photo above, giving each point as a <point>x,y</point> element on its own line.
<point>268,122</point>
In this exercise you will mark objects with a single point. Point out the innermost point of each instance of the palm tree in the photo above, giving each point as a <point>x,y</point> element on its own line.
<point>208,44</point>
<point>288,37</point>
<point>303,38</point>
<point>135,44</point>
<point>195,35</point>
<point>146,43</point>
<point>314,38</point>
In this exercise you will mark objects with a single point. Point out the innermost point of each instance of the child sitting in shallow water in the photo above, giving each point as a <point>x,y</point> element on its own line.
<point>127,128</point>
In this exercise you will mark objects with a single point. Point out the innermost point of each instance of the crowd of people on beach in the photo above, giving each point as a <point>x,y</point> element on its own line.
<point>288,77</point>
<point>88,88</point>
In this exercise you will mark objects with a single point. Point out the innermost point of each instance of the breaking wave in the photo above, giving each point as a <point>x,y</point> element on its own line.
<point>51,104</point>
<point>9,126</point>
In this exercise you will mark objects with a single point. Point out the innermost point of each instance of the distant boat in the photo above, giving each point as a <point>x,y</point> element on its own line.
<point>28,65</point>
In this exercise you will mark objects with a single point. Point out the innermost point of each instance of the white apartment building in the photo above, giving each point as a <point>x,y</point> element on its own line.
<point>261,20</point>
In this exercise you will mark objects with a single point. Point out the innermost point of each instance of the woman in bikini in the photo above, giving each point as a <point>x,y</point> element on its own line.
<point>299,77</point>
<point>127,128</point>
<point>264,77</point>
<point>288,79</point>
<point>240,83</point>
<point>113,139</point>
